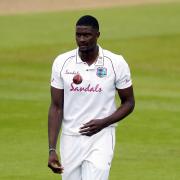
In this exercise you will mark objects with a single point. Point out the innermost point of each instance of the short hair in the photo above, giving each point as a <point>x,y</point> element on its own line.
<point>88,20</point>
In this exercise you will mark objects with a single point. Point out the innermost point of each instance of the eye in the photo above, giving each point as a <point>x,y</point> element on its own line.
<point>87,35</point>
<point>83,35</point>
<point>78,35</point>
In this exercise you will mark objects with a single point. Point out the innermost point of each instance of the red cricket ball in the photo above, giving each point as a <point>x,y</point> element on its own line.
<point>77,79</point>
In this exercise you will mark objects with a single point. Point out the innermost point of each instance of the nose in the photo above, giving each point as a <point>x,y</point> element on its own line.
<point>81,38</point>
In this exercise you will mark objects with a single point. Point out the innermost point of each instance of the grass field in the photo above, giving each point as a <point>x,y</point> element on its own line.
<point>148,141</point>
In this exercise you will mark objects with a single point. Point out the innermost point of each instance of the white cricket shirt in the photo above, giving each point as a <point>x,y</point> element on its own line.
<point>94,97</point>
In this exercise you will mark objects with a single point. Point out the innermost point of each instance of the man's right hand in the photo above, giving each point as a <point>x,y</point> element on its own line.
<point>54,164</point>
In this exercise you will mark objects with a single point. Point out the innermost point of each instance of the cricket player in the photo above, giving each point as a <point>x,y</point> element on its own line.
<point>83,86</point>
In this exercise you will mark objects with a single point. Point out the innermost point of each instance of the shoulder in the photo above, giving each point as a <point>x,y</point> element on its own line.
<point>62,58</point>
<point>116,59</point>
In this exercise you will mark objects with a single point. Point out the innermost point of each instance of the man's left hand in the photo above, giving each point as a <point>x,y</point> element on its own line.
<point>92,127</point>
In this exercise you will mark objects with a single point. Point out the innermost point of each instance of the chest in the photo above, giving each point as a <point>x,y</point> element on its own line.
<point>83,78</point>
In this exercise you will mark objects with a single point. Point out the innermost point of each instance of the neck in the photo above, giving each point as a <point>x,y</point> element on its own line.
<point>89,56</point>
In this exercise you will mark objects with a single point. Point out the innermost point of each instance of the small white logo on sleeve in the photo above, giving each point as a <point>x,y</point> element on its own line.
<point>52,80</point>
<point>127,80</point>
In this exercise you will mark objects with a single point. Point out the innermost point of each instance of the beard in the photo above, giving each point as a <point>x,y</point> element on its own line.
<point>87,48</point>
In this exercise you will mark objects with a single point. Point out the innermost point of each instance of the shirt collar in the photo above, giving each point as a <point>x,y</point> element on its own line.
<point>99,61</point>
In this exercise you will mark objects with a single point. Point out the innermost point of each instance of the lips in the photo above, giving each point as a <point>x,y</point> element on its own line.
<point>83,46</point>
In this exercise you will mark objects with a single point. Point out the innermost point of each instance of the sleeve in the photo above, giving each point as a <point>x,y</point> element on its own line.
<point>56,79</point>
<point>123,75</point>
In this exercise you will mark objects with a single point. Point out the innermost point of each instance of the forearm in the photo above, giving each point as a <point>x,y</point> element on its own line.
<point>54,123</point>
<point>94,126</point>
<point>125,109</point>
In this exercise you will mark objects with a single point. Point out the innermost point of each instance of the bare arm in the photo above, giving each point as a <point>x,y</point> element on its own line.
<point>55,116</point>
<point>54,123</point>
<point>126,107</point>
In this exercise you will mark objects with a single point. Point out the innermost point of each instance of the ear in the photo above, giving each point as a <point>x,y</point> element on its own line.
<point>98,34</point>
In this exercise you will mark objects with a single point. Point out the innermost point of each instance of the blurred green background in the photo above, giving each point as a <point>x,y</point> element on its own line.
<point>148,36</point>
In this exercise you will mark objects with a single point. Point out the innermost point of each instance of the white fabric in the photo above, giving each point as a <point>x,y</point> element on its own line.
<point>94,98</point>
<point>89,172</point>
<point>87,158</point>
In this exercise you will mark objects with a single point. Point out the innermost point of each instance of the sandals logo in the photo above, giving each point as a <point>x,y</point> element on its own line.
<point>88,88</point>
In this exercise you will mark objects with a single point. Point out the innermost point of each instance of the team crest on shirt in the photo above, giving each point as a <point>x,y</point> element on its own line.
<point>101,72</point>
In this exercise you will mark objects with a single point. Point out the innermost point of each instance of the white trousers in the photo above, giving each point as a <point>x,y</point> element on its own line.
<point>87,158</point>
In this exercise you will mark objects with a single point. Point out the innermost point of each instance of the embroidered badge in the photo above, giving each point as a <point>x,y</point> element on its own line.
<point>101,72</point>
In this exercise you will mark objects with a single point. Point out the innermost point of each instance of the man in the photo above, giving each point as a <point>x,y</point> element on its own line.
<point>83,86</point>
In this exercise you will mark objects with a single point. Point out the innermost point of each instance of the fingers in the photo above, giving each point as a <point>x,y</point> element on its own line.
<point>87,125</point>
<point>89,133</point>
<point>92,127</point>
<point>56,167</point>
<point>89,129</point>
<point>86,128</point>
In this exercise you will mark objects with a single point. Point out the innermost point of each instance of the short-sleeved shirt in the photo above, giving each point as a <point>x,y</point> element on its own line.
<point>94,97</point>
